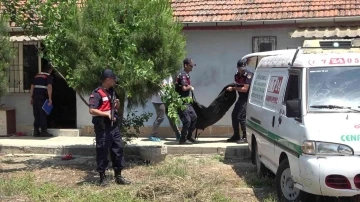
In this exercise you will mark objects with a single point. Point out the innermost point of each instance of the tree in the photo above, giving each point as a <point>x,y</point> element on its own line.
<point>6,55</point>
<point>139,40</point>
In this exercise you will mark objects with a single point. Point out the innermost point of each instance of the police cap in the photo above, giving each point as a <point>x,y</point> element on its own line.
<point>187,61</point>
<point>108,73</point>
<point>241,64</point>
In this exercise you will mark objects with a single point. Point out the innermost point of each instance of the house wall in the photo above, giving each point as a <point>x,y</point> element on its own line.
<point>215,52</point>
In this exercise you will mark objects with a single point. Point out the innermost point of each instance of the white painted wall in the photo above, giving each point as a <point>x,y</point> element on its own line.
<point>216,54</point>
<point>23,110</point>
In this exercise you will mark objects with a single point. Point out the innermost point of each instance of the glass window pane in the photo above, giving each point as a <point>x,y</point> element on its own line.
<point>30,66</point>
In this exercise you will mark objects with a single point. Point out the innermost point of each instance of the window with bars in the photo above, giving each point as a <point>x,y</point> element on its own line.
<point>263,43</point>
<point>25,65</point>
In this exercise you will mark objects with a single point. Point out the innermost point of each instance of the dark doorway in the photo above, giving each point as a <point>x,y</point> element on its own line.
<point>63,114</point>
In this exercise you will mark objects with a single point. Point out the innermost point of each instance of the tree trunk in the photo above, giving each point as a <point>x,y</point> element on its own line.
<point>122,106</point>
<point>80,95</point>
<point>82,98</point>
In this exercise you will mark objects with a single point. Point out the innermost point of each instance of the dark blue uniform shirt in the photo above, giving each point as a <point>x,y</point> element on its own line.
<point>183,79</point>
<point>40,82</point>
<point>244,78</point>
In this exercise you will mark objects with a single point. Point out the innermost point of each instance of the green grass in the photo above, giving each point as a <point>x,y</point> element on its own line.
<point>26,186</point>
<point>270,198</point>
<point>175,179</point>
<point>252,180</point>
<point>219,197</point>
<point>218,157</point>
<point>175,167</point>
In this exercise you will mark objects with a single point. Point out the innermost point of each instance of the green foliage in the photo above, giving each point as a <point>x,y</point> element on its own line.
<point>131,124</point>
<point>139,40</point>
<point>6,55</point>
<point>172,99</point>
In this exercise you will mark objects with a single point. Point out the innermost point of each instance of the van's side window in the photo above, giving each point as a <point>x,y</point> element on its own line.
<point>293,88</point>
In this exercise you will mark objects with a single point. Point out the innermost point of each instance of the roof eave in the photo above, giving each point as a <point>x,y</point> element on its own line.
<point>269,22</point>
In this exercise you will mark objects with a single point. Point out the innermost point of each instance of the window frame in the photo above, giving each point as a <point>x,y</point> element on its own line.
<point>287,86</point>
<point>257,40</point>
<point>20,69</point>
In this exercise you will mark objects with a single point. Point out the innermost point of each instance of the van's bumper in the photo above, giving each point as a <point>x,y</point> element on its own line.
<point>314,170</point>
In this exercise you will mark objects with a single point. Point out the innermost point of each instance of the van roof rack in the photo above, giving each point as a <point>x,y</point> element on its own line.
<point>331,44</point>
<point>328,46</point>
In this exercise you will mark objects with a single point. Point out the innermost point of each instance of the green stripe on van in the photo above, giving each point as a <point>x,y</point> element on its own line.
<point>286,143</point>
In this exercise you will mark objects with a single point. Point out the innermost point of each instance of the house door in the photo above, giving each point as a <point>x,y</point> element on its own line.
<point>63,114</point>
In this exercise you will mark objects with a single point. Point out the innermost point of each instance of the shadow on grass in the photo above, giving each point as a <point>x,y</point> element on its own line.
<point>80,163</point>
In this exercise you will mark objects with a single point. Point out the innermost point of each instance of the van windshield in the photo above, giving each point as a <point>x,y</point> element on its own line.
<point>334,88</point>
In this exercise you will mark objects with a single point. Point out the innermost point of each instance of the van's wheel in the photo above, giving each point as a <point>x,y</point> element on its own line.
<point>286,191</point>
<point>261,170</point>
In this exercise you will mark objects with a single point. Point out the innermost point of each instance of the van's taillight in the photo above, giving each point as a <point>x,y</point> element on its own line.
<point>357,181</point>
<point>337,182</point>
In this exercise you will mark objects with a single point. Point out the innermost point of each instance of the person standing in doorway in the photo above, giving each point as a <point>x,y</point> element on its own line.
<point>162,110</point>
<point>188,117</point>
<point>242,78</point>
<point>40,91</point>
<point>106,128</point>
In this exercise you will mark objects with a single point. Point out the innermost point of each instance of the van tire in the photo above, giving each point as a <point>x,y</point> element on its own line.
<point>283,181</point>
<point>261,170</point>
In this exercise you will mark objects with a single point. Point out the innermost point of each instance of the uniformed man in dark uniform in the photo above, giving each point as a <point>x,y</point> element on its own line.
<point>188,117</point>
<point>242,78</point>
<point>41,90</point>
<point>107,132</point>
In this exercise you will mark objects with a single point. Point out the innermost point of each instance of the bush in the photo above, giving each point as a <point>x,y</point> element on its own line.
<point>131,124</point>
<point>6,55</point>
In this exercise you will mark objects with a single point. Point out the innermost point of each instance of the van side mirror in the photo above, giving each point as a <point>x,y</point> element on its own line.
<point>293,108</point>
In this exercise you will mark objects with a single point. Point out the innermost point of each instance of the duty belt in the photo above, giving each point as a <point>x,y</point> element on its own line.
<point>40,86</point>
<point>103,111</point>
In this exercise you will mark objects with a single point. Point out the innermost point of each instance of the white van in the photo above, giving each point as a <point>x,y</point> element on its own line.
<point>303,120</point>
<point>253,59</point>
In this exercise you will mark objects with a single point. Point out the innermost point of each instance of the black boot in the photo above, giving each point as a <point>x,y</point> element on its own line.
<point>234,138</point>
<point>120,179</point>
<point>36,132</point>
<point>190,139</point>
<point>104,180</point>
<point>44,133</point>
<point>182,139</point>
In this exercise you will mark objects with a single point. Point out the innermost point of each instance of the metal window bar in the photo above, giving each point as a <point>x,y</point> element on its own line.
<point>263,43</point>
<point>24,66</point>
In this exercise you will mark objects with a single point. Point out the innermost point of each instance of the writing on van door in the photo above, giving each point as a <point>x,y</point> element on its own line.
<point>272,95</point>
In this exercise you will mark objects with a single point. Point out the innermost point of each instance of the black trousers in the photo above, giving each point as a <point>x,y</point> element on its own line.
<point>188,118</point>
<point>40,115</point>
<point>109,138</point>
<point>238,115</point>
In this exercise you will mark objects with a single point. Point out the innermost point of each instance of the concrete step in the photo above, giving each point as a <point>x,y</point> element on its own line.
<point>85,146</point>
<point>62,132</point>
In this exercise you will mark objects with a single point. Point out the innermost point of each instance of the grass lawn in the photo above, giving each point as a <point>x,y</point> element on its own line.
<point>179,178</point>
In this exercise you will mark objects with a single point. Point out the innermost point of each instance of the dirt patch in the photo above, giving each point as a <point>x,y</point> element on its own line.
<point>178,178</point>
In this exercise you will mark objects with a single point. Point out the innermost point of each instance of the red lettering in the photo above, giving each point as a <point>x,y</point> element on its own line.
<point>337,61</point>
<point>324,61</point>
<point>349,60</point>
<point>275,84</point>
<point>357,126</point>
<point>356,60</point>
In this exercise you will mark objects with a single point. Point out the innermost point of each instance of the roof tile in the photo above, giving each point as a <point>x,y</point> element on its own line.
<point>248,10</point>
<point>232,10</point>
